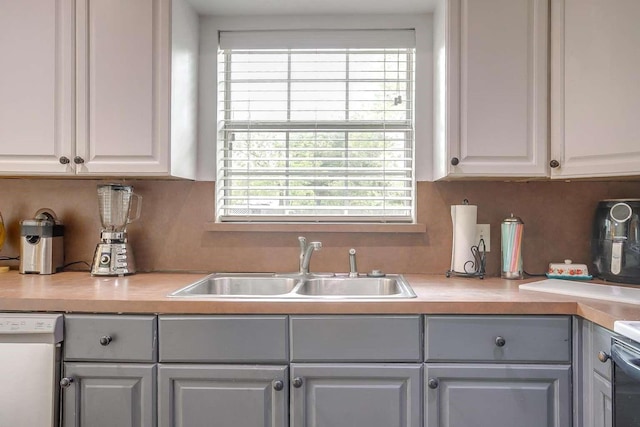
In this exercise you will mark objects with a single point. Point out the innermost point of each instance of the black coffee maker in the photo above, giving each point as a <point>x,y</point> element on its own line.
<point>615,245</point>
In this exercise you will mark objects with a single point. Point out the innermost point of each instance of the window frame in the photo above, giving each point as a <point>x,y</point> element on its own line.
<point>405,126</point>
<point>430,58</point>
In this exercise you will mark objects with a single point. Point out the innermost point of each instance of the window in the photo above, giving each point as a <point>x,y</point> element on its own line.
<point>321,131</point>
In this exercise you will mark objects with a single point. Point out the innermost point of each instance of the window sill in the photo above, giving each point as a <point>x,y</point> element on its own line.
<point>343,227</point>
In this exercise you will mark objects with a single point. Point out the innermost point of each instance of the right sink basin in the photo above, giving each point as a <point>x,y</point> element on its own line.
<point>389,286</point>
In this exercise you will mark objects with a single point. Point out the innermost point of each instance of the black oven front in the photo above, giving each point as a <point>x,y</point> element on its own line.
<point>625,355</point>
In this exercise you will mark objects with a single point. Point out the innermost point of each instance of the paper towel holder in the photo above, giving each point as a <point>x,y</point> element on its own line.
<point>480,266</point>
<point>479,260</point>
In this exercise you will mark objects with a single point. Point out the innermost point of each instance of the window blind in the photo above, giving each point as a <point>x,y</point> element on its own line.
<point>323,134</point>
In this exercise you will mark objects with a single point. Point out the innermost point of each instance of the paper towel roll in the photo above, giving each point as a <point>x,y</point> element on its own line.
<point>465,218</point>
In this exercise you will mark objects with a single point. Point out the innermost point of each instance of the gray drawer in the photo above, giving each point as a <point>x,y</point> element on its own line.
<point>124,338</point>
<point>536,339</point>
<point>226,339</point>
<point>601,342</point>
<point>356,338</point>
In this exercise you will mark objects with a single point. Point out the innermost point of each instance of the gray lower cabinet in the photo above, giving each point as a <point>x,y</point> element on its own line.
<point>596,380</point>
<point>223,371</point>
<point>109,371</point>
<point>222,395</point>
<point>298,371</point>
<point>109,395</point>
<point>498,371</point>
<point>482,395</point>
<point>356,395</point>
<point>328,371</point>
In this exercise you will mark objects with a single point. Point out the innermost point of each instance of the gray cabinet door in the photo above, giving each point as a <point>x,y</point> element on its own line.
<point>356,395</point>
<point>601,406</point>
<point>596,379</point>
<point>110,395</point>
<point>222,395</point>
<point>481,395</point>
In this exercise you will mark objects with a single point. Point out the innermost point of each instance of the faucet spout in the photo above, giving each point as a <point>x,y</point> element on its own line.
<point>306,250</point>
<point>353,269</point>
<point>303,248</point>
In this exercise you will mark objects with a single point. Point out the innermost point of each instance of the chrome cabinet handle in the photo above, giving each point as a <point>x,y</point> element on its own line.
<point>278,385</point>
<point>78,160</point>
<point>297,382</point>
<point>455,161</point>
<point>603,357</point>
<point>64,160</point>
<point>105,340</point>
<point>66,382</point>
<point>432,383</point>
<point>500,341</point>
<point>554,163</point>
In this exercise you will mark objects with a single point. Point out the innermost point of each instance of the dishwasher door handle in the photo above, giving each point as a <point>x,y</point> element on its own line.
<point>626,360</point>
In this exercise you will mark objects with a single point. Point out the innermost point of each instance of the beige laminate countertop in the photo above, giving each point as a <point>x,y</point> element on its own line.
<point>436,294</point>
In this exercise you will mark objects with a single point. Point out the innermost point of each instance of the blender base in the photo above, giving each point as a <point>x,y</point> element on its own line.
<point>113,259</point>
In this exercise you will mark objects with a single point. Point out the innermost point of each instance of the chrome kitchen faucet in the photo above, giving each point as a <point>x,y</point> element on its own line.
<point>306,250</point>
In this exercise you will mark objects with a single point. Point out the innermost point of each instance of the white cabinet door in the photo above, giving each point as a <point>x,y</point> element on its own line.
<point>496,89</point>
<point>123,84</point>
<point>36,86</point>
<point>595,92</point>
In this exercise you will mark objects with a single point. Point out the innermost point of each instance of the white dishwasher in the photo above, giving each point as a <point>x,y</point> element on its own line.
<point>30,369</point>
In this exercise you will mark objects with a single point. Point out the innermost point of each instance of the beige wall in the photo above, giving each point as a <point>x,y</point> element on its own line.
<point>170,234</point>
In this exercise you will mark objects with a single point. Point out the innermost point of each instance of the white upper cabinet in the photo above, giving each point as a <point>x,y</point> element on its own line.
<point>595,88</point>
<point>36,86</point>
<point>491,88</point>
<point>109,74</point>
<point>122,83</point>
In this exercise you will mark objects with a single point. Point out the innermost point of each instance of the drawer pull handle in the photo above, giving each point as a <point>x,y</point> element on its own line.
<point>66,382</point>
<point>278,385</point>
<point>603,357</point>
<point>105,340</point>
<point>432,383</point>
<point>297,382</point>
<point>500,341</point>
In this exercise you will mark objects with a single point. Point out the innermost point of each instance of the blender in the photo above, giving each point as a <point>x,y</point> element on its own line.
<point>113,256</point>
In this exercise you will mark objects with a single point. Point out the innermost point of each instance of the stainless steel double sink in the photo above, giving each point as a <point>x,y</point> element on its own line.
<point>276,286</point>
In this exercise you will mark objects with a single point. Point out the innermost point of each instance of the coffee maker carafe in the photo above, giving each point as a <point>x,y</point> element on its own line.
<point>113,255</point>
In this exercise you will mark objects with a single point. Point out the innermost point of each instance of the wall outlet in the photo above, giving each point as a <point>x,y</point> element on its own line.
<point>483,231</point>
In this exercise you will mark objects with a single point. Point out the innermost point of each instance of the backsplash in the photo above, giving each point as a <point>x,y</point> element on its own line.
<point>170,233</point>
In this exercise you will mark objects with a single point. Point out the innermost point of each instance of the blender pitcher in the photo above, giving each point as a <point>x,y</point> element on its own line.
<point>114,201</point>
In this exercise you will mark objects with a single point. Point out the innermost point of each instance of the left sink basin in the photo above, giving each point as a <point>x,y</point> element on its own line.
<point>239,286</point>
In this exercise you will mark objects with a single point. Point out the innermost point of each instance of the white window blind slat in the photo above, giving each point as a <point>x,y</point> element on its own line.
<point>316,135</point>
